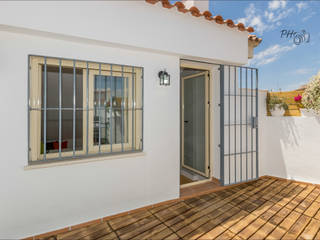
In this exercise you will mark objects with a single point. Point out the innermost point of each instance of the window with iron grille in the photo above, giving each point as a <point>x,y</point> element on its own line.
<point>81,108</point>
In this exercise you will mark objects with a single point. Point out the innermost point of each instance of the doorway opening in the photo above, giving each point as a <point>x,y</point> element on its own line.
<point>195,126</point>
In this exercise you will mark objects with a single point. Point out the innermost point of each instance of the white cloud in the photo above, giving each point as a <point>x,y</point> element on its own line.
<point>276,4</point>
<point>303,71</point>
<point>269,19</point>
<point>301,6</point>
<point>270,54</point>
<point>281,15</point>
<point>253,19</point>
<point>306,18</point>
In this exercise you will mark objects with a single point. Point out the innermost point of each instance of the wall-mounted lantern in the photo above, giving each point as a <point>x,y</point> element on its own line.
<point>164,78</point>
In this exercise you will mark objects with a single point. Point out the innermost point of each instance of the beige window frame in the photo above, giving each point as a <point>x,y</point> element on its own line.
<point>206,172</point>
<point>133,123</point>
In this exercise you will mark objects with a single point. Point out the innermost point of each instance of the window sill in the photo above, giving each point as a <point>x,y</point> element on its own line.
<point>36,165</point>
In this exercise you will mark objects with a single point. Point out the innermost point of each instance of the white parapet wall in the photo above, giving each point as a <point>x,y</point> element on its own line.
<point>289,146</point>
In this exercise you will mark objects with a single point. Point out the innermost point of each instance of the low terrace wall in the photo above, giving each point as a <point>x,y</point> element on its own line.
<point>289,146</point>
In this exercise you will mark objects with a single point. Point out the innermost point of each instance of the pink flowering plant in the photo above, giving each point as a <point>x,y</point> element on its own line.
<point>298,98</point>
<point>311,96</point>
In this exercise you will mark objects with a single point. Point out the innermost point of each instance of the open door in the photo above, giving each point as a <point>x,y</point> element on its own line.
<point>195,123</point>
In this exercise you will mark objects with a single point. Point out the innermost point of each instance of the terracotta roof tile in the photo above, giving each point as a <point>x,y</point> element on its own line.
<point>254,38</point>
<point>206,14</point>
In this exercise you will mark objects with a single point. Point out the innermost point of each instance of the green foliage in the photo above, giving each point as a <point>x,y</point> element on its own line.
<point>274,102</point>
<point>311,96</point>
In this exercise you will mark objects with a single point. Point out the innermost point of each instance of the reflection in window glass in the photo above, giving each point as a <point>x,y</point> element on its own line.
<point>106,115</point>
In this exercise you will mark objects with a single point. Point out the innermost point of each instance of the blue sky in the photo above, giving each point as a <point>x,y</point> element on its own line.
<point>282,64</point>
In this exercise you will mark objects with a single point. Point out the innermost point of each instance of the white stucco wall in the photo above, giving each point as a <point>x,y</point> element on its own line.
<point>121,32</point>
<point>132,24</point>
<point>289,146</point>
<point>41,200</point>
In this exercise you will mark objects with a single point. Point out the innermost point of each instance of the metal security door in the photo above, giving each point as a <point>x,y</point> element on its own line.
<point>238,124</point>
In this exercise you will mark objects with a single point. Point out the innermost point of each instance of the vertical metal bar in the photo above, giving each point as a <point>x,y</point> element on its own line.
<point>74,109</point>
<point>229,130</point>
<point>241,124</point>
<point>98,86</point>
<point>105,108</point>
<point>247,124</point>
<point>115,115</point>
<point>60,104</point>
<point>251,124</point>
<point>235,124</point>
<point>142,103</point>
<point>87,103</point>
<point>45,110</point>
<point>133,110</point>
<point>111,112</point>
<point>222,180</point>
<point>257,126</point>
<point>29,108</point>
<point>122,108</point>
<point>127,100</point>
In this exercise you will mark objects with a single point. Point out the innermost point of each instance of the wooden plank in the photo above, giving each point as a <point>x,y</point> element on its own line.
<point>172,211</point>
<point>217,217</point>
<point>251,228</point>
<point>110,236</point>
<point>192,227</point>
<point>126,220</point>
<point>98,234</point>
<point>297,227</point>
<point>160,207</point>
<point>303,205</point>
<point>234,219</point>
<point>219,204</point>
<point>137,228</point>
<point>263,232</point>
<point>314,194</point>
<point>313,209</point>
<point>317,237</point>
<point>279,216</point>
<point>317,215</point>
<point>226,235</point>
<point>239,226</point>
<point>85,231</point>
<point>163,234</point>
<point>271,212</point>
<point>214,233</point>
<point>150,233</point>
<point>276,234</point>
<point>289,220</point>
<point>172,236</point>
<point>200,231</point>
<point>311,230</point>
<point>318,199</point>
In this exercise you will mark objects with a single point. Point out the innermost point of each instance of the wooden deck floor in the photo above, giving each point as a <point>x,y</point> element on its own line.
<point>267,208</point>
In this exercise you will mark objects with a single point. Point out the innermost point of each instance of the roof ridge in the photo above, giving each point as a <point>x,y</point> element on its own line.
<point>206,14</point>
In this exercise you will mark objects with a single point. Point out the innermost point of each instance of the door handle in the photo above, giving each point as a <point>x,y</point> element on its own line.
<point>186,121</point>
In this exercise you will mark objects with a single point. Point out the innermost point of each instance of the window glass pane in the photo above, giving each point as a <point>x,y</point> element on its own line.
<point>53,85</point>
<point>67,87</point>
<point>52,139</point>
<point>52,124</point>
<point>105,88</point>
